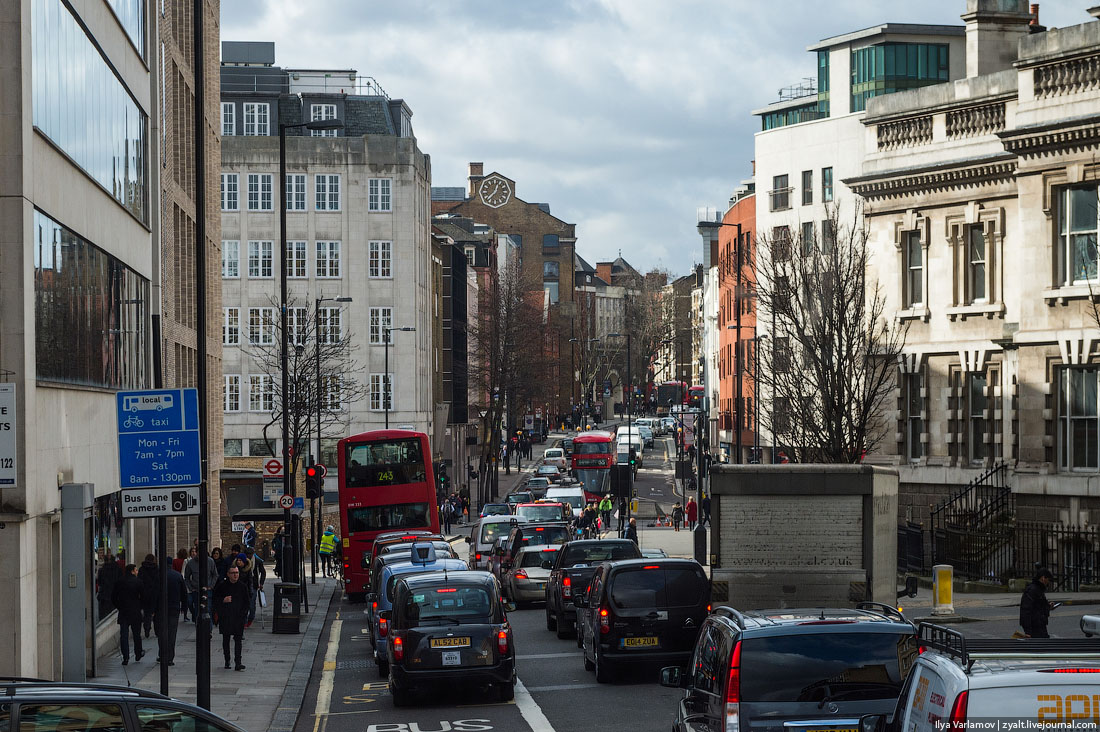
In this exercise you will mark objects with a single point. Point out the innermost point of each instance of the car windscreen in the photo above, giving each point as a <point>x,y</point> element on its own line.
<point>657,588</point>
<point>438,603</point>
<point>518,497</point>
<point>392,516</point>
<point>573,501</point>
<point>539,513</point>
<point>491,532</point>
<point>545,535</point>
<point>389,462</point>
<point>825,667</point>
<point>553,453</point>
<point>548,470</point>
<point>595,553</point>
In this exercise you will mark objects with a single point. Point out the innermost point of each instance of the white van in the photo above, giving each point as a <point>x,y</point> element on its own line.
<point>573,496</point>
<point>484,535</point>
<point>631,441</point>
<point>958,679</point>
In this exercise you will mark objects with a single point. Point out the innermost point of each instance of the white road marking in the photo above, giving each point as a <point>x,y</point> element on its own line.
<point>530,710</point>
<point>563,687</point>
<point>328,678</point>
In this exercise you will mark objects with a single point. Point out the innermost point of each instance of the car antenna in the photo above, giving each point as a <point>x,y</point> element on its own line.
<point>822,613</point>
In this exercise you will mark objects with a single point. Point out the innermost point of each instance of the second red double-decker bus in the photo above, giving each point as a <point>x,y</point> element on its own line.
<point>593,456</point>
<point>386,484</point>
<point>671,394</point>
<point>695,397</point>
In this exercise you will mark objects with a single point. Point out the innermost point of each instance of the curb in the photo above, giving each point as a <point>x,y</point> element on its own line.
<point>947,619</point>
<point>290,704</point>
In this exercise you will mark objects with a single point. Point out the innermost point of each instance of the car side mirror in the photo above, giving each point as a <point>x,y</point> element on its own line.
<point>871,723</point>
<point>673,677</point>
<point>468,540</point>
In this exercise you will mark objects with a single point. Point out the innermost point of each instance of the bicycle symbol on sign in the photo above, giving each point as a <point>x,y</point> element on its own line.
<point>133,421</point>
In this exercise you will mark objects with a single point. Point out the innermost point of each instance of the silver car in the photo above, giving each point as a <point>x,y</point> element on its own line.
<point>526,580</point>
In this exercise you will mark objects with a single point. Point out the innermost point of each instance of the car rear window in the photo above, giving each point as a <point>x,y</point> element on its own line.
<point>659,588</point>
<point>535,559</point>
<point>825,666</point>
<point>603,552</point>
<point>573,501</point>
<point>447,602</point>
<point>491,532</point>
<point>539,513</point>
<point>543,535</point>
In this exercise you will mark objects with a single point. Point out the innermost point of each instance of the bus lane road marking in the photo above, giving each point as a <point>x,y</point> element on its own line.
<point>530,710</point>
<point>328,678</point>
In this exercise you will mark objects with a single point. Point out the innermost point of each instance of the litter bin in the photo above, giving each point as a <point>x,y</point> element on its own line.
<point>287,611</point>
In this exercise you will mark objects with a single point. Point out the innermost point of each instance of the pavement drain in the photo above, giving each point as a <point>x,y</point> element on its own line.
<point>354,664</point>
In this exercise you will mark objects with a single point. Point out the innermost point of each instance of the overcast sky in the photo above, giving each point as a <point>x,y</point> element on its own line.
<point>623,115</point>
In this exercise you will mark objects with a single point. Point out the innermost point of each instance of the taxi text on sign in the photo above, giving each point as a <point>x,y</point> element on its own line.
<point>158,438</point>
<point>7,434</point>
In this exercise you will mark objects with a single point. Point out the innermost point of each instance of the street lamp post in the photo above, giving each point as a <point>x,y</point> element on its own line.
<point>387,390</point>
<point>289,565</point>
<point>314,520</point>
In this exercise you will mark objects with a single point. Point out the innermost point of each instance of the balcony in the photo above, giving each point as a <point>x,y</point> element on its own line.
<point>780,198</point>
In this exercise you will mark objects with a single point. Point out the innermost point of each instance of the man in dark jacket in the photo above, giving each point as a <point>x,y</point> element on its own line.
<point>109,575</point>
<point>231,609</point>
<point>170,617</point>
<point>632,531</point>
<point>126,597</point>
<point>256,578</point>
<point>1034,606</point>
<point>149,574</point>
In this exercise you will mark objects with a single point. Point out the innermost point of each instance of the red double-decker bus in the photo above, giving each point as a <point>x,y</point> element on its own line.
<point>695,397</point>
<point>593,456</point>
<point>386,484</point>
<point>671,394</point>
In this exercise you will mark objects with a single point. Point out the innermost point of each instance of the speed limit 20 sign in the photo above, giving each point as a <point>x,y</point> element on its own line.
<point>286,502</point>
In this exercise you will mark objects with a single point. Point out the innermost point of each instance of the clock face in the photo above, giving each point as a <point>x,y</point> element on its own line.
<point>495,191</point>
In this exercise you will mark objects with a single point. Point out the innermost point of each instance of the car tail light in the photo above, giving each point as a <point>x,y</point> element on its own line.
<point>567,587</point>
<point>521,574</point>
<point>383,627</point>
<point>1069,670</point>
<point>398,648</point>
<point>605,623</point>
<point>733,691</point>
<point>502,642</point>
<point>447,589</point>
<point>958,712</point>
<point>477,557</point>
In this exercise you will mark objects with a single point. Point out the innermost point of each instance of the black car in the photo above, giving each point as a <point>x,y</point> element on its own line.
<point>573,569</point>
<point>448,629</point>
<point>783,670</point>
<point>641,610</point>
<point>567,446</point>
<point>31,704</point>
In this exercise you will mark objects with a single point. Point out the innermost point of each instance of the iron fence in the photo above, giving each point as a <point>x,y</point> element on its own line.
<point>911,548</point>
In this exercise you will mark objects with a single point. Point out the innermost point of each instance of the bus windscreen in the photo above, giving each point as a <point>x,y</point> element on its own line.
<point>396,462</point>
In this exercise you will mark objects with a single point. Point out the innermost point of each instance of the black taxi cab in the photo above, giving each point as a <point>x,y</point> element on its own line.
<point>449,628</point>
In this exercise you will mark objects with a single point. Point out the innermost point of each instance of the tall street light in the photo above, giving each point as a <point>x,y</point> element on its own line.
<point>387,391</point>
<point>290,542</point>
<point>314,522</point>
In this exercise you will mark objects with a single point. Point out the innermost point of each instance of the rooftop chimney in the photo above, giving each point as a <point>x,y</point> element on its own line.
<point>993,32</point>
<point>477,172</point>
<point>1036,26</point>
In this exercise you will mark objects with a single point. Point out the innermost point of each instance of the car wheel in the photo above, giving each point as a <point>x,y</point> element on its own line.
<point>383,669</point>
<point>551,622</point>
<point>564,629</point>
<point>604,673</point>
<point>507,692</point>
<point>402,697</point>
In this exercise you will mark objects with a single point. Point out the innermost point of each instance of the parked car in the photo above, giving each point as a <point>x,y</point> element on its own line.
<point>555,456</point>
<point>573,568</point>
<point>526,580</point>
<point>641,610</point>
<point>495,509</point>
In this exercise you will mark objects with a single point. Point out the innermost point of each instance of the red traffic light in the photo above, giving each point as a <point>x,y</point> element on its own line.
<point>312,472</point>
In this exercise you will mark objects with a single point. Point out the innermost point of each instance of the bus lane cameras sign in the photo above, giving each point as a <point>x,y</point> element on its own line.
<point>158,440</point>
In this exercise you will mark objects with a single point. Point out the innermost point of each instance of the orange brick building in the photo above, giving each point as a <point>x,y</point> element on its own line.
<point>736,274</point>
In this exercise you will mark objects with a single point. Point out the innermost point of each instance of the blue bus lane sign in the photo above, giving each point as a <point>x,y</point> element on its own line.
<point>158,438</point>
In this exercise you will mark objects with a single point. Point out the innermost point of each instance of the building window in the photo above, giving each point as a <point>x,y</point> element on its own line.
<point>469,256</point>
<point>380,319</point>
<point>828,236</point>
<point>296,321</point>
<point>256,119</point>
<point>260,262</point>
<point>233,447</point>
<point>807,187</point>
<point>229,119</point>
<point>259,192</point>
<point>261,393</point>
<point>914,406</point>
<point>230,192</point>
<point>295,192</point>
<point>551,289</point>
<point>319,112</point>
<point>261,326</point>
<point>781,355</point>
<point>332,388</point>
<point>550,270</point>
<point>914,269</point>
<point>327,192</point>
<point>329,328</point>
<point>296,259</point>
<point>380,383</point>
<point>976,264</point>
<point>328,259</point>
<point>378,194</point>
<point>258,447</point>
<point>1077,227</point>
<point>231,393</point>
<point>780,193</point>
<point>977,422</point>
<point>886,68</point>
<point>231,327</point>
<point>781,243</point>
<point>826,185</point>
<point>1077,420</point>
<point>550,241</point>
<point>131,16</point>
<point>381,253</point>
<point>807,243</point>
<point>89,312</point>
<point>231,259</point>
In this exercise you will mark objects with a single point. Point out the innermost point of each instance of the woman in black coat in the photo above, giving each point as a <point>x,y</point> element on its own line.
<point>149,574</point>
<point>1034,606</point>
<point>126,597</point>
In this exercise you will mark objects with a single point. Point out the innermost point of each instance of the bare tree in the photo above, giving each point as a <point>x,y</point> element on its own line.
<point>313,340</point>
<point>832,359</point>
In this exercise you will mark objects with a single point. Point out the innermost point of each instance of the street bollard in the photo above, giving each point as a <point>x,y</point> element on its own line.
<point>943,589</point>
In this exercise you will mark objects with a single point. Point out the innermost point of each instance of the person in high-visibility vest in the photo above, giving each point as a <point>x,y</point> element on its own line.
<point>327,548</point>
<point>605,512</point>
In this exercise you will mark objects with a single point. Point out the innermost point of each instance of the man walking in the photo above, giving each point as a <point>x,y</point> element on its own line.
<point>126,597</point>
<point>327,547</point>
<point>1034,606</point>
<point>632,531</point>
<point>170,617</point>
<point>196,584</point>
<point>231,611</point>
<point>257,574</point>
<point>249,538</point>
<point>622,514</point>
<point>705,506</point>
<point>446,511</point>
<point>277,547</point>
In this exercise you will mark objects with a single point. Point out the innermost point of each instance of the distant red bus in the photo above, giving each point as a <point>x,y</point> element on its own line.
<point>593,456</point>
<point>695,397</point>
<point>386,484</point>
<point>671,393</point>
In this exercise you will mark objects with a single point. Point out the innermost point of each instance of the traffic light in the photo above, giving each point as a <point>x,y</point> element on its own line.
<point>622,480</point>
<point>313,482</point>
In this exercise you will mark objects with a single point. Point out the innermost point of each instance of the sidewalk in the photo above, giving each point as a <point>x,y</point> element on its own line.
<point>267,695</point>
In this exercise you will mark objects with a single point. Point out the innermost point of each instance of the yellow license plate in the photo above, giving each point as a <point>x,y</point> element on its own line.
<point>455,643</point>
<point>646,642</point>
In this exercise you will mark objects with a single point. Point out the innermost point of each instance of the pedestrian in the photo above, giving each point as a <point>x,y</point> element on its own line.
<point>221,562</point>
<point>231,613</point>
<point>705,505</point>
<point>108,576</point>
<point>1034,606</point>
<point>196,584</point>
<point>466,507</point>
<point>605,511</point>
<point>691,510</point>
<point>259,576</point>
<point>188,605</point>
<point>170,616</point>
<point>327,547</point>
<point>149,574</point>
<point>120,559</point>
<point>277,547</point>
<point>622,514</point>
<point>446,511</point>
<point>249,536</point>
<point>177,563</point>
<point>632,531</point>
<point>126,597</point>
<point>247,578</point>
<point>677,515</point>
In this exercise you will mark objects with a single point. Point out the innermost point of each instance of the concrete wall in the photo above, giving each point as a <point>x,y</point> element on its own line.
<point>803,535</point>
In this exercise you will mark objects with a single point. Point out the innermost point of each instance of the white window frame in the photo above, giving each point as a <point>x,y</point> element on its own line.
<point>330,326</point>
<point>297,325</point>
<point>914,422</point>
<point>257,119</point>
<point>1067,395</point>
<point>261,326</point>
<point>296,260</point>
<point>261,393</point>
<point>977,423</point>
<point>381,260</point>
<point>912,240</point>
<point>328,260</point>
<point>229,119</point>
<point>332,387</point>
<point>231,192</point>
<point>231,326</point>
<point>326,188</point>
<point>974,262</point>
<point>380,195</point>
<point>231,393</point>
<point>381,383</point>
<point>261,259</point>
<point>1067,236</point>
<point>380,319</point>
<point>320,112</point>
<point>231,259</point>
<point>295,192</point>
<point>260,192</point>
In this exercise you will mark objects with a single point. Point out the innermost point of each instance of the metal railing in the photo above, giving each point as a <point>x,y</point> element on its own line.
<point>780,198</point>
<point>911,548</point>
<point>982,500</point>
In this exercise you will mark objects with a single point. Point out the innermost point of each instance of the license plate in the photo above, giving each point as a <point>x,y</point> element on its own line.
<point>452,658</point>
<point>461,642</point>
<point>645,642</point>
